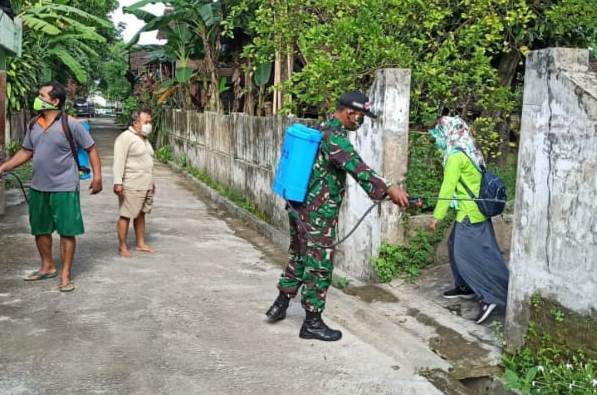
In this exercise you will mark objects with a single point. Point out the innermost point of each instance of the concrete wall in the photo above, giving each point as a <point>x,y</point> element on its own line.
<point>383,145</point>
<point>17,125</point>
<point>241,152</point>
<point>2,185</point>
<point>554,242</point>
<point>237,150</point>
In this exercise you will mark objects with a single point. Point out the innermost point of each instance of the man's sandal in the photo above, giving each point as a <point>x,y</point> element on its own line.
<point>68,287</point>
<point>38,276</point>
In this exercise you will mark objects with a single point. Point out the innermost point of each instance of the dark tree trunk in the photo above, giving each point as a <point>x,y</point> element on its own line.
<point>507,71</point>
<point>249,106</point>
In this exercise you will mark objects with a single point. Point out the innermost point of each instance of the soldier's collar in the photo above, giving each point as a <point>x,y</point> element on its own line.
<point>335,124</point>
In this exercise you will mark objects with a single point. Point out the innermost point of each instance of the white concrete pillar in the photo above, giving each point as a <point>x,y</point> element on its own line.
<point>383,145</point>
<point>554,242</point>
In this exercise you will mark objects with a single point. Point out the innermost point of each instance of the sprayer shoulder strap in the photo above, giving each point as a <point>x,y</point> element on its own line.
<point>32,123</point>
<point>69,138</point>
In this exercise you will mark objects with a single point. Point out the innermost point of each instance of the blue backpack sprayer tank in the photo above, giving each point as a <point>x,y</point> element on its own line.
<point>299,151</point>
<point>291,182</point>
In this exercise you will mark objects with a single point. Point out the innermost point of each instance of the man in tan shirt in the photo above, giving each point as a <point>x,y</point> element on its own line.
<point>133,180</point>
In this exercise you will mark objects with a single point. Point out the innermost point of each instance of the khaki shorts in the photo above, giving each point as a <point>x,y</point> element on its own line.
<point>134,202</point>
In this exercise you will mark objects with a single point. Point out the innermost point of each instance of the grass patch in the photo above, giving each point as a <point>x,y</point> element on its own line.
<point>164,154</point>
<point>340,282</point>
<point>557,357</point>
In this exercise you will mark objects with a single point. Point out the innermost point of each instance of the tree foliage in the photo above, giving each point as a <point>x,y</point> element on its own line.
<point>60,41</point>
<point>204,18</point>
<point>113,73</point>
<point>465,55</point>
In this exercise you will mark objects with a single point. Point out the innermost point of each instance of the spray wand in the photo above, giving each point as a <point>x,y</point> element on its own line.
<point>416,201</point>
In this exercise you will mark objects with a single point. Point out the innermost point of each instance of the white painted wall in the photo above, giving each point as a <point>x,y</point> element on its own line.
<point>554,242</point>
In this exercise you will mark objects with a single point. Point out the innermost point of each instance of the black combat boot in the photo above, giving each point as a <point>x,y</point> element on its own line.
<point>278,310</point>
<point>315,328</point>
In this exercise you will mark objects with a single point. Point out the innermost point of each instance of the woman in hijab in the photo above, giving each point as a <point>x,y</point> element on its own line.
<point>475,259</point>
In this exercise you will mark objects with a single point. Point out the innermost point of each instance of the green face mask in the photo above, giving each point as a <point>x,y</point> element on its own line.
<point>40,104</point>
<point>360,121</point>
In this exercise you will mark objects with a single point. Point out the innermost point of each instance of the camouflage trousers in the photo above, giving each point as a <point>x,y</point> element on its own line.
<point>309,266</point>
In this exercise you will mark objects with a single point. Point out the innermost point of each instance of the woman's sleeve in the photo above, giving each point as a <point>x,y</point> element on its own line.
<point>451,176</point>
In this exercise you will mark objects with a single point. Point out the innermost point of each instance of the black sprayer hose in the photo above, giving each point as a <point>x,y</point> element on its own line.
<point>20,182</point>
<point>417,199</point>
<point>411,200</point>
<point>342,240</point>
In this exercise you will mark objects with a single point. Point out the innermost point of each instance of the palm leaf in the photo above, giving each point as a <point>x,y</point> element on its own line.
<point>210,13</point>
<point>163,96</point>
<point>184,74</point>
<point>157,23</point>
<point>145,16</point>
<point>143,3</point>
<point>61,10</point>
<point>40,25</point>
<point>66,37</point>
<point>88,31</point>
<point>69,61</point>
<point>263,73</point>
<point>86,49</point>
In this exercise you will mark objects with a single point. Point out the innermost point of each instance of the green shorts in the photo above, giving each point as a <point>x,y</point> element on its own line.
<point>55,211</point>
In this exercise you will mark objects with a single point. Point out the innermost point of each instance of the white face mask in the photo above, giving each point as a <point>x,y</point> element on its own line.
<point>146,129</point>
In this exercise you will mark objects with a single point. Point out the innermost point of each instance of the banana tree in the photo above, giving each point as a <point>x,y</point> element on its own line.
<point>204,17</point>
<point>64,31</point>
<point>262,76</point>
<point>181,48</point>
<point>53,34</point>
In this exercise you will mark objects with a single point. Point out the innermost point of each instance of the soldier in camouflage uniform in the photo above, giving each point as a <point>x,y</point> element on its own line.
<point>311,250</point>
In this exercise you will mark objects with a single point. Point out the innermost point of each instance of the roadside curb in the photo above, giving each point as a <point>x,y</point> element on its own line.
<point>278,237</point>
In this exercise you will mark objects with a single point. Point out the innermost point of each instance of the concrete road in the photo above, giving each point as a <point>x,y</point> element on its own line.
<point>187,320</point>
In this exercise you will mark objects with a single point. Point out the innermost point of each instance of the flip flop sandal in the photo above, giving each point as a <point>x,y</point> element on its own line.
<point>69,287</point>
<point>38,276</point>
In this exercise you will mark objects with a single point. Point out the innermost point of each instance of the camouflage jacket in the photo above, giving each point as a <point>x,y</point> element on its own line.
<point>337,157</point>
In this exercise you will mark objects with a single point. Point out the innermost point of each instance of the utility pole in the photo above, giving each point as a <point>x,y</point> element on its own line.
<point>11,36</point>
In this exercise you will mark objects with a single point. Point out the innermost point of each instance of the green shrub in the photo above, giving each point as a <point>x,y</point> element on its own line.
<point>164,154</point>
<point>553,360</point>
<point>12,148</point>
<point>407,261</point>
<point>425,171</point>
<point>130,104</point>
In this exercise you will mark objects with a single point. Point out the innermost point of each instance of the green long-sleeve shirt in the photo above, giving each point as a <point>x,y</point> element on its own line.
<point>459,166</point>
